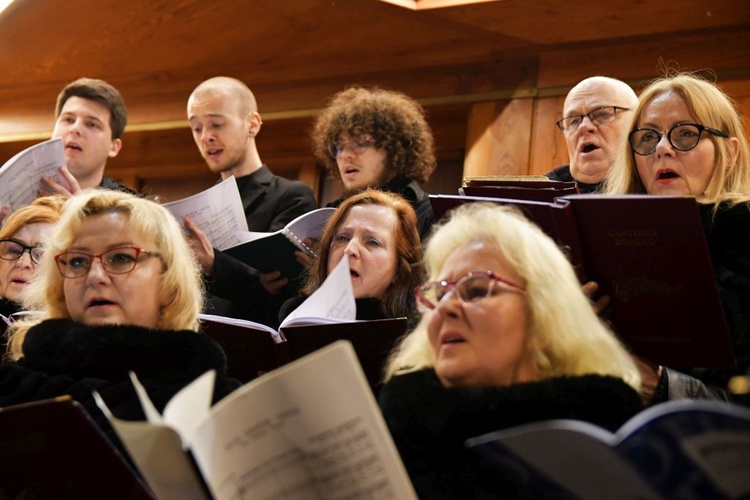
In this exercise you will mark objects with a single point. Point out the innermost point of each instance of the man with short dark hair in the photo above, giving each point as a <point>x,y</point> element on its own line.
<point>595,125</point>
<point>90,119</point>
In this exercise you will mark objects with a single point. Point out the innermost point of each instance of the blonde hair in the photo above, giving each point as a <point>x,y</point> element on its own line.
<point>565,336</point>
<point>711,107</point>
<point>181,284</point>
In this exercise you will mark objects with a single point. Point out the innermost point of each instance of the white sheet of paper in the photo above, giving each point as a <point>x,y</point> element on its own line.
<point>333,300</point>
<point>21,176</point>
<point>217,211</point>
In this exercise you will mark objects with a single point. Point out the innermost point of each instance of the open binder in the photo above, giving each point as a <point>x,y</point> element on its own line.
<point>649,254</point>
<point>253,351</point>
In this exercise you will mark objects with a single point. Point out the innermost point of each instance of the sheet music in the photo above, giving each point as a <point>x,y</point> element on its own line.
<point>334,299</point>
<point>21,176</point>
<point>217,211</point>
<point>308,430</point>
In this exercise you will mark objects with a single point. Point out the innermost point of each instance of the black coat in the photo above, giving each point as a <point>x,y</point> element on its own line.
<point>64,357</point>
<point>563,174</point>
<point>430,423</point>
<point>728,237</point>
<point>270,202</point>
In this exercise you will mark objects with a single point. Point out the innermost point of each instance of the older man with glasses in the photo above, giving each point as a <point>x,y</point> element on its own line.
<point>595,125</point>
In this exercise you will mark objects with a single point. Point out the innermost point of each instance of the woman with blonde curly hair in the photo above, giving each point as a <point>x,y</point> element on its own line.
<point>507,337</point>
<point>118,290</point>
<point>376,138</point>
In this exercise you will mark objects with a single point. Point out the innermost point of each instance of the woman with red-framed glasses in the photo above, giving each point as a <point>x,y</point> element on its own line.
<point>118,290</point>
<point>507,337</point>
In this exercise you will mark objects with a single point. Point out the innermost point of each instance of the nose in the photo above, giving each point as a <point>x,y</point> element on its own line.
<point>206,136</point>
<point>663,146</point>
<point>346,151</point>
<point>352,248</point>
<point>76,126</point>
<point>449,304</point>
<point>586,124</point>
<point>97,273</point>
<point>24,261</point>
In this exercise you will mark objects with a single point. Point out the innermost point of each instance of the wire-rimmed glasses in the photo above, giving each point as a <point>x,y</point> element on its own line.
<point>598,116</point>
<point>358,145</point>
<point>472,287</point>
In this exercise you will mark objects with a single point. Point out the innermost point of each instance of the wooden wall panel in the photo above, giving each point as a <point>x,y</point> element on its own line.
<point>499,138</point>
<point>549,150</point>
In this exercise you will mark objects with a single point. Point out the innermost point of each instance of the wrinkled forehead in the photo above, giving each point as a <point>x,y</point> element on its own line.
<point>589,95</point>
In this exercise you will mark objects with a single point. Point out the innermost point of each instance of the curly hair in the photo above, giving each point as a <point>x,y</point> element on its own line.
<point>394,121</point>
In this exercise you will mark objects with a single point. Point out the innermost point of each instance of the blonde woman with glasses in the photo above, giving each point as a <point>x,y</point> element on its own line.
<point>506,337</point>
<point>687,139</point>
<point>118,290</point>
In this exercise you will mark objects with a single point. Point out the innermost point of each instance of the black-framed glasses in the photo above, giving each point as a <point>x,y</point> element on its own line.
<point>682,137</point>
<point>120,260</point>
<point>472,287</point>
<point>358,146</point>
<point>598,116</point>
<point>11,249</point>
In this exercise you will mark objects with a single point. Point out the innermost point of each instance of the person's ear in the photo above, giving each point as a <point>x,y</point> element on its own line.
<point>115,148</point>
<point>254,122</point>
<point>733,150</point>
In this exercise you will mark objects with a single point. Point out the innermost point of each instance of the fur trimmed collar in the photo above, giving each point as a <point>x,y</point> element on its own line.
<point>62,346</point>
<point>418,408</point>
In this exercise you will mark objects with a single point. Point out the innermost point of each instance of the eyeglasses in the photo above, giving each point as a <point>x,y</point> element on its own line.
<point>598,116</point>
<point>120,260</point>
<point>13,250</point>
<point>682,137</point>
<point>470,288</point>
<point>358,146</point>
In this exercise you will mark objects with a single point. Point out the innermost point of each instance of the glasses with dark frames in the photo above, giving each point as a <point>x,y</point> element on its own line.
<point>11,249</point>
<point>598,116</point>
<point>472,287</point>
<point>120,260</point>
<point>682,137</point>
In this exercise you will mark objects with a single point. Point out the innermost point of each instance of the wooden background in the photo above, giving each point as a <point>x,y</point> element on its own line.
<point>492,76</point>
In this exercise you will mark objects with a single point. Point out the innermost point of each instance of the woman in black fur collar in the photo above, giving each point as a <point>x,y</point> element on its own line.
<point>118,290</point>
<point>506,338</point>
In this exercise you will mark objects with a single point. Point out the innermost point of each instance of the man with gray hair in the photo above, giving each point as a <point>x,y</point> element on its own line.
<point>596,118</point>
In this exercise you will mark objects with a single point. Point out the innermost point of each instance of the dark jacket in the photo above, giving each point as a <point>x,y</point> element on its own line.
<point>430,423</point>
<point>563,174</point>
<point>270,202</point>
<point>728,238</point>
<point>8,307</point>
<point>418,199</point>
<point>115,185</point>
<point>65,357</point>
